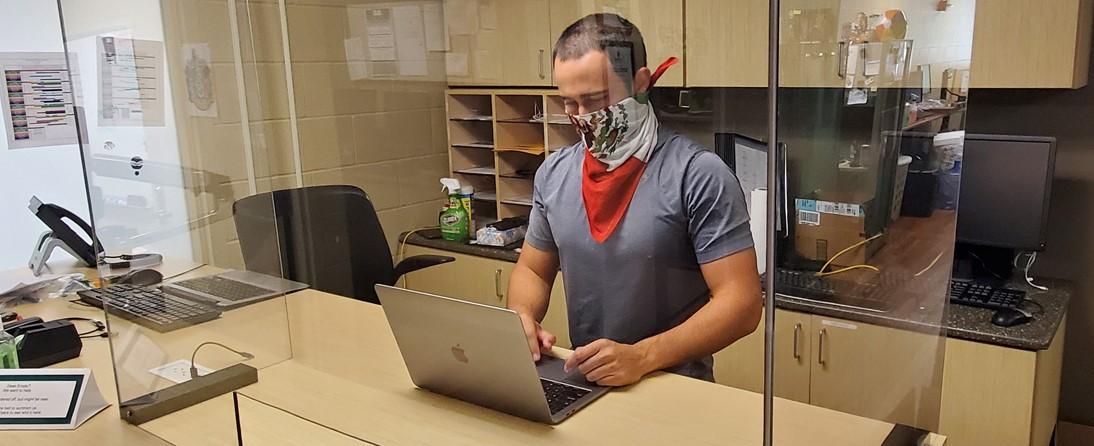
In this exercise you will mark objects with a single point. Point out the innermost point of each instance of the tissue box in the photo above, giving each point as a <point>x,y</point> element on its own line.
<point>491,236</point>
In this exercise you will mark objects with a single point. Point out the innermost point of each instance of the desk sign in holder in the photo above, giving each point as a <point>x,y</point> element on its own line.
<point>39,399</point>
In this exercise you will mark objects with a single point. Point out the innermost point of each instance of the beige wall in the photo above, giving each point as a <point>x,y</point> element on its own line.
<point>1066,115</point>
<point>385,136</point>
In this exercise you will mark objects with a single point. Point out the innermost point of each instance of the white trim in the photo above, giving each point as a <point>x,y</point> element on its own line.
<point>241,90</point>
<point>298,170</point>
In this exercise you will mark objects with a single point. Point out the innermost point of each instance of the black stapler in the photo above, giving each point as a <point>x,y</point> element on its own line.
<point>45,342</point>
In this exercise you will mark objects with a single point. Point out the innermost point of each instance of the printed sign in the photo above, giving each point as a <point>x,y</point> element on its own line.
<point>48,398</point>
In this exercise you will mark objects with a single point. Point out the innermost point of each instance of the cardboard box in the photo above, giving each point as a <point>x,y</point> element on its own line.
<point>824,228</point>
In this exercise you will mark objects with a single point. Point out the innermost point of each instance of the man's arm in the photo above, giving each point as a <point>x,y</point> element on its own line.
<point>733,312</point>
<point>530,293</point>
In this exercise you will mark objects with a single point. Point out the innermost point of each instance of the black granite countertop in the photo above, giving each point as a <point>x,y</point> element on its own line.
<point>956,321</point>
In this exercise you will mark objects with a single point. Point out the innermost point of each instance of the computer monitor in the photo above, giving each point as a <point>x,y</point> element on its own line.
<point>1006,183</point>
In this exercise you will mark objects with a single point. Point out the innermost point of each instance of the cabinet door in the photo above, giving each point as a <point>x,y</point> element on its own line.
<point>470,278</point>
<point>809,50</point>
<point>556,320</point>
<point>877,372</point>
<point>741,365</point>
<point>1030,44</point>
<point>726,42</point>
<point>660,21</point>
<point>498,42</point>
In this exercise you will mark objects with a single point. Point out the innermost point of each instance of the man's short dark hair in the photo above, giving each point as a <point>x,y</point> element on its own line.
<point>611,33</point>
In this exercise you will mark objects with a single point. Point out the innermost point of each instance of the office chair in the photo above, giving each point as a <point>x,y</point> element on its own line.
<point>326,236</point>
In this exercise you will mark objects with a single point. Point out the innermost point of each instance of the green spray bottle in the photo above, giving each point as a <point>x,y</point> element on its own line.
<point>455,221</point>
<point>9,355</point>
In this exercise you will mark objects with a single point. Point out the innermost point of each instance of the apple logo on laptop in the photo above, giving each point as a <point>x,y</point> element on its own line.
<point>459,354</point>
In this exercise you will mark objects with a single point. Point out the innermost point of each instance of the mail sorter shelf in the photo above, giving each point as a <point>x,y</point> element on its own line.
<point>499,157</point>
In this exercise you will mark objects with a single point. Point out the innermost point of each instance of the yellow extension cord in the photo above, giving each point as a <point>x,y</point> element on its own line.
<point>822,273</point>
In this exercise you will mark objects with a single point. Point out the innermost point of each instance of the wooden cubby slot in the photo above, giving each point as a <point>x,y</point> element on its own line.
<point>470,107</point>
<point>518,108</point>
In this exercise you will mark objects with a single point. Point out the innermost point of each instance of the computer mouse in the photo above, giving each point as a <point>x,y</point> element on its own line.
<point>140,277</point>
<point>1010,318</point>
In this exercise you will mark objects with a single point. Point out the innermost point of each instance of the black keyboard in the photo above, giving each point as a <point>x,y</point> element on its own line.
<point>983,295</point>
<point>224,288</point>
<point>806,285</point>
<point>149,307</point>
<point>561,396</point>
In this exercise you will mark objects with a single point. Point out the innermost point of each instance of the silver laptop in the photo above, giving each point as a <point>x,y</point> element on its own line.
<point>232,289</point>
<point>479,354</point>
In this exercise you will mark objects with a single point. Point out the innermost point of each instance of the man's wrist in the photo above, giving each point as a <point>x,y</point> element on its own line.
<point>652,354</point>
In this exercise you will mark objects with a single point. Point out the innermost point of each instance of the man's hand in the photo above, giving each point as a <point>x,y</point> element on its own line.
<point>539,340</point>
<point>609,363</point>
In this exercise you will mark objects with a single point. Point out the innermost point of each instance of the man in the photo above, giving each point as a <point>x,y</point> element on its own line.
<point>650,231</point>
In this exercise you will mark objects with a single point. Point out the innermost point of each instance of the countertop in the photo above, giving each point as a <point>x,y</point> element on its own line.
<point>956,321</point>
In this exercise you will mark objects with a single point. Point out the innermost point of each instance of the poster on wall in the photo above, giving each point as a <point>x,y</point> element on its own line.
<point>130,82</point>
<point>200,93</point>
<point>37,105</point>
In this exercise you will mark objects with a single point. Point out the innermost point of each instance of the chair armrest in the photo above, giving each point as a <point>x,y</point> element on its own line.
<point>414,263</point>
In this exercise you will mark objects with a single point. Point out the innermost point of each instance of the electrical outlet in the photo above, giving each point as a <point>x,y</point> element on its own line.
<point>178,371</point>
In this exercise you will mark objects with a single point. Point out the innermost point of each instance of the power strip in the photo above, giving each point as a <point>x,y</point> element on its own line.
<point>179,371</point>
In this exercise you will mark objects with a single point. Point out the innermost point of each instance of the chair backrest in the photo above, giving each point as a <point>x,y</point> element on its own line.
<point>326,236</point>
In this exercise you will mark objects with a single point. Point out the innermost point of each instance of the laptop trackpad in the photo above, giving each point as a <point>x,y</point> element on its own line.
<point>550,367</point>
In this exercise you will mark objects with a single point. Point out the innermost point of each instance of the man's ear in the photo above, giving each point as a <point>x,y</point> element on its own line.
<point>642,80</point>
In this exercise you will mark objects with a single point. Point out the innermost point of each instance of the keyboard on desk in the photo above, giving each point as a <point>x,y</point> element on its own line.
<point>977,294</point>
<point>560,396</point>
<point>148,307</point>
<point>223,288</point>
<point>806,285</point>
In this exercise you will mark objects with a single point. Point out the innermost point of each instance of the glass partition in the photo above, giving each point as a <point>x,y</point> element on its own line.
<point>306,140</point>
<point>179,137</point>
<point>870,98</point>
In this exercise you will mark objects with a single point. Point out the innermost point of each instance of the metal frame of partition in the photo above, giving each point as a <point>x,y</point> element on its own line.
<point>772,216</point>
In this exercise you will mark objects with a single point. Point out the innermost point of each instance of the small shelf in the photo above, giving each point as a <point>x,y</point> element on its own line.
<point>518,176</point>
<point>478,171</point>
<point>479,118</point>
<point>484,145</point>
<point>485,196</point>
<point>534,150</point>
<point>519,121</point>
<point>519,201</point>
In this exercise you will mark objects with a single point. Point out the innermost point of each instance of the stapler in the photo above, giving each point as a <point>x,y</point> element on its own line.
<point>42,343</point>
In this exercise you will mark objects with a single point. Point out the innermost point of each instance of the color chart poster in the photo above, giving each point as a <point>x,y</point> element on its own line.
<point>37,104</point>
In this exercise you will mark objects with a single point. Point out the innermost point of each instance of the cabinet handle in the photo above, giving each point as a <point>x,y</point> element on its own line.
<point>820,346</point>
<point>497,285</point>
<point>542,74</point>
<point>797,332</point>
<point>841,60</point>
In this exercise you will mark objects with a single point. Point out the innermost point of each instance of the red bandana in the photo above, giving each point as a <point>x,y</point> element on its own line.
<point>608,195</point>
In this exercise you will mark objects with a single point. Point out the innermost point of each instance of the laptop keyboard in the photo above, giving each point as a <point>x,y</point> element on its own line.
<point>560,396</point>
<point>148,307</point>
<point>224,288</point>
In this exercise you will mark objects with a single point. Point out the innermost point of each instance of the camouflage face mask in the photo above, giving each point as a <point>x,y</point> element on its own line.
<point>619,131</point>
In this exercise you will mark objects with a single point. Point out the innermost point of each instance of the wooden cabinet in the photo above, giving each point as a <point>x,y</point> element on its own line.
<point>485,281</point>
<point>498,42</point>
<point>1031,44</point>
<point>556,321</point>
<point>741,365</point>
<point>1000,396</point>
<point>476,279</point>
<point>877,372</point>
<point>660,21</point>
<point>726,43</point>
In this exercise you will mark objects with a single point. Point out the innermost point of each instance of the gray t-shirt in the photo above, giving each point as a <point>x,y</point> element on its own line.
<point>645,279</point>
